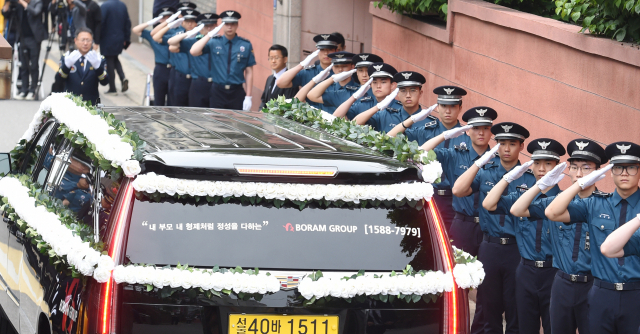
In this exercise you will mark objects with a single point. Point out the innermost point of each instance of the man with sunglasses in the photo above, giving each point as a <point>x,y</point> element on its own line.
<point>614,299</point>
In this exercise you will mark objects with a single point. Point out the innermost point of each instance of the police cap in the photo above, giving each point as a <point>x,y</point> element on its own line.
<point>366,59</point>
<point>480,116</point>
<point>164,11</point>
<point>185,5</point>
<point>381,70</point>
<point>509,130</point>
<point>230,16</point>
<point>326,41</point>
<point>623,152</point>
<point>208,18</point>
<point>450,95</point>
<point>409,79</point>
<point>585,149</point>
<point>190,14</point>
<point>545,149</point>
<point>341,57</point>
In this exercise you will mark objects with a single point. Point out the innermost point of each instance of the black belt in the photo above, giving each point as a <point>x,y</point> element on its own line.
<point>501,241</point>
<point>161,64</point>
<point>466,218</point>
<point>616,286</point>
<point>168,65</point>
<point>188,76</point>
<point>537,264</point>
<point>204,79</point>
<point>443,192</point>
<point>575,278</point>
<point>227,87</point>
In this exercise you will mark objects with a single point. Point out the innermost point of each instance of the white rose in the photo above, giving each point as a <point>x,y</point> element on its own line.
<point>462,276</point>
<point>119,274</point>
<point>105,262</point>
<point>431,172</point>
<point>102,276</point>
<point>131,168</point>
<point>306,288</point>
<point>161,279</point>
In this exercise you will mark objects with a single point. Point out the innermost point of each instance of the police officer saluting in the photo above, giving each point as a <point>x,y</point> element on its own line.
<point>331,93</point>
<point>498,252</point>
<point>614,299</point>
<point>161,53</point>
<point>570,243</point>
<point>233,62</point>
<point>83,69</point>
<point>201,66</point>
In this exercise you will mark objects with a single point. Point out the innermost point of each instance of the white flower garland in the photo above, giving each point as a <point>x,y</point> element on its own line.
<point>204,279</point>
<point>93,127</point>
<point>433,282</point>
<point>469,274</point>
<point>79,254</point>
<point>151,183</point>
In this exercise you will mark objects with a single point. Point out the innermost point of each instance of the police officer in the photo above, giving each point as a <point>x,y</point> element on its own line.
<point>332,94</point>
<point>342,81</point>
<point>614,299</point>
<point>83,69</point>
<point>448,106</point>
<point>201,66</point>
<point>300,75</point>
<point>465,230</point>
<point>498,252</point>
<point>570,243</point>
<point>534,275</point>
<point>181,69</point>
<point>382,86</point>
<point>233,60</point>
<point>161,53</point>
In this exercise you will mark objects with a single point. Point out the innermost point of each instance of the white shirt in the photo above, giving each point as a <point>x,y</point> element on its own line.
<point>277,76</point>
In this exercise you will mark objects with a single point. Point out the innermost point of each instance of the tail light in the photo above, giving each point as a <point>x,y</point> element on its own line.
<point>455,310</point>
<point>107,322</point>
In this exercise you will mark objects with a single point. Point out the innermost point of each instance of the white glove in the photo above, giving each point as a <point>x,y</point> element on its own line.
<point>175,23</point>
<point>309,58</point>
<point>362,90</point>
<point>456,132</point>
<point>246,105</point>
<point>154,20</point>
<point>72,58</point>
<point>173,17</point>
<point>93,58</point>
<point>387,100</point>
<point>417,117</point>
<point>194,31</point>
<point>552,177</point>
<point>341,76</point>
<point>322,75</point>
<point>595,176</point>
<point>485,158</point>
<point>215,31</point>
<point>517,172</point>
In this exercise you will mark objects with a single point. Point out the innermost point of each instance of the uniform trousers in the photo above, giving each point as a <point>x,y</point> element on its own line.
<point>179,91</point>
<point>497,292</point>
<point>533,293</point>
<point>612,311</point>
<point>569,307</point>
<point>160,84</point>
<point>199,92</point>
<point>466,233</point>
<point>445,206</point>
<point>29,54</point>
<point>223,98</point>
<point>113,63</point>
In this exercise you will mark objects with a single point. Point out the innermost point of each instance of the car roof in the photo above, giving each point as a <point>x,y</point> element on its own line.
<point>203,142</point>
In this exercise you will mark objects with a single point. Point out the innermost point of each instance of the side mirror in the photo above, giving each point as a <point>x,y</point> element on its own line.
<point>5,163</point>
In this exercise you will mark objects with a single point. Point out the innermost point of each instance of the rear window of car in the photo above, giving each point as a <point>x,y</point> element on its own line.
<point>285,238</point>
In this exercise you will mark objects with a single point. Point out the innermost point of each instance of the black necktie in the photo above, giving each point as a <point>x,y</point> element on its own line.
<point>621,221</point>
<point>576,242</point>
<point>81,69</point>
<point>539,231</point>
<point>229,59</point>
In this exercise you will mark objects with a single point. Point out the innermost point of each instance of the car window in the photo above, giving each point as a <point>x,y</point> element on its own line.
<point>36,150</point>
<point>231,234</point>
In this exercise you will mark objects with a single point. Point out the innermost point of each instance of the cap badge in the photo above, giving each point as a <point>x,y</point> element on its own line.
<point>364,57</point>
<point>481,112</point>
<point>406,75</point>
<point>377,67</point>
<point>623,148</point>
<point>506,128</point>
<point>582,145</point>
<point>165,9</point>
<point>325,37</point>
<point>189,12</point>
<point>339,55</point>
<point>207,16</point>
<point>544,145</point>
<point>229,13</point>
<point>449,90</point>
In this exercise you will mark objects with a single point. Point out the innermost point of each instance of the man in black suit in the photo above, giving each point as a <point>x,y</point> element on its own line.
<point>278,57</point>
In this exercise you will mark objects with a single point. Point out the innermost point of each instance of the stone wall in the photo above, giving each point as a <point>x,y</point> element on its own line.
<point>538,72</point>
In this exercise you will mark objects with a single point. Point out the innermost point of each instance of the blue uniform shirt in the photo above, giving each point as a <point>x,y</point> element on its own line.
<point>201,65</point>
<point>633,245</point>
<point>500,226</point>
<point>304,76</point>
<point>532,234</point>
<point>161,52</point>
<point>569,242</point>
<point>361,105</point>
<point>387,119</point>
<point>229,59</point>
<point>335,95</point>
<point>602,214</point>
<point>180,61</point>
<point>455,161</point>
<point>77,199</point>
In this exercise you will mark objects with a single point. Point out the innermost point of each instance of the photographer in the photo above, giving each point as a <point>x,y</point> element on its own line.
<point>77,10</point>
<point>30,33</point>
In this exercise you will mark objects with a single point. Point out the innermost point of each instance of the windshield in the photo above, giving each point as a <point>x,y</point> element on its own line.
<point>286,238</point>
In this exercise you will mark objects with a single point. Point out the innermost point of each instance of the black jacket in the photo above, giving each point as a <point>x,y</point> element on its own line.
<point>94,19</point>
<point>34,13</point>
<point>267,95</point>
<point>116,27</point>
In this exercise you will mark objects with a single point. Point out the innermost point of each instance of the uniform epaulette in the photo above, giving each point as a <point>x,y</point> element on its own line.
<point>310,67</point>
<point>393,109</point>
<point>432,123</point>
<point>601,193</point>
<point>523,187</point>
<point>490,164</point>
<point>366,98</point>
<point>217,36</point>
<point>351,87</point>
<point>461,147</point>
<point>529,171</point>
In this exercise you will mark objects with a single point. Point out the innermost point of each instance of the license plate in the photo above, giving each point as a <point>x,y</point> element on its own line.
<point>282,324</point>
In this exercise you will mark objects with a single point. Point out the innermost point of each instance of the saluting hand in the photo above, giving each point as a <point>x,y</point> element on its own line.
<point>387,100</point>
<point>595,176</point>
<point>552,177</point>
<point>215,31</point>
<point>341,76</point>
<point>175,23</point>
<point>456,132</point>
<point>173,17</point>
<point>517,172</point>
<point>362,90</point>
<point>485,158</point>
<point>424,113</point>
<point>194,31</point>
<point>309,58</point>
<point>322,75</point>
<point>154,20</point>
